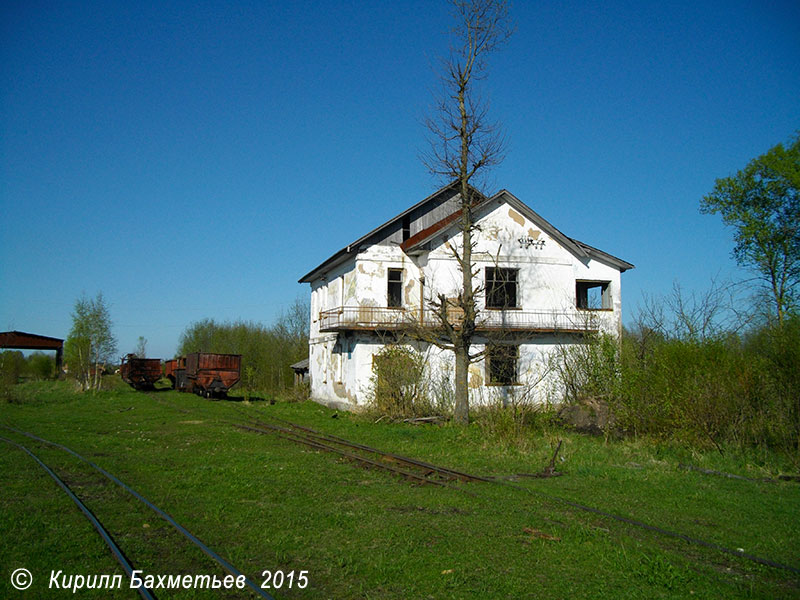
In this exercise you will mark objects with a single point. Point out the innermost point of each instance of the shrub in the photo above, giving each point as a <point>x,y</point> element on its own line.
<point>712,391</point>
<point>515,423</point>
<point>398,387</point>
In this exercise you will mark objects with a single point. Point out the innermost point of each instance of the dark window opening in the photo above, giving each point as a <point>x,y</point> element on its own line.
<point>502,364</point>
<point>501,288</point>
<point>395,288</point>
<point>406,227</point>
<point>593,295</point>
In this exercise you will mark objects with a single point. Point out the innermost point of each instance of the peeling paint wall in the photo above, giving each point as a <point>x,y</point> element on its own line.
<point>341,363</point>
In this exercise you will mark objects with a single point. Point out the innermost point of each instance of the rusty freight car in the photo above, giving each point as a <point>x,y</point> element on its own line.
<point>140,373</point>
<point>175,371</point>
<point>209,375</point>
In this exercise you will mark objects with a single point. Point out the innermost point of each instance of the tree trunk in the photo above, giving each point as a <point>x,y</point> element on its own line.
<point>461,409</point>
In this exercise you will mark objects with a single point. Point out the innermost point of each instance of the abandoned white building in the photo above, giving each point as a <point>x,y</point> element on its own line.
<point>537,290</point>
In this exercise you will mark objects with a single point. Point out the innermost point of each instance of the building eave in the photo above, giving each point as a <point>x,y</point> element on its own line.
<point>416,244</point>
<point>353,248</point>
<point>605,257</point>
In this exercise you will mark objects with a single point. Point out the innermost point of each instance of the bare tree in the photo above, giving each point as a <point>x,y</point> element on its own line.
<point>693,316</point>
<point>463,145</point>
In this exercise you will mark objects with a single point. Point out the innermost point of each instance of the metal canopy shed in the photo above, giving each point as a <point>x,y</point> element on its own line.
<point>19,340</point>
<point>300,371</point>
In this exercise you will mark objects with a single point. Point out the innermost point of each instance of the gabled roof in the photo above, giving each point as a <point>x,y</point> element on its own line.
<point>418,241</point>
<point>352,249</point>
<point>578,248</point>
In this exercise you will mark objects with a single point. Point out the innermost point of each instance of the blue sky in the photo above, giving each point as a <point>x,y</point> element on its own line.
<point>193,160</point>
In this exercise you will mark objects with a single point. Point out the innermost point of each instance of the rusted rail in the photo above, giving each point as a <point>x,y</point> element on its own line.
<point>196,541</point>
<point>414,470</point>
<point>444,472</point>
<point>323,441</point>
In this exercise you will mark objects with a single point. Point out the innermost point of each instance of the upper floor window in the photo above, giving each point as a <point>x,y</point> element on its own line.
<point>406,227</point>
<point>593,295</point>
<point>394,292</point>
<point>501,287</point>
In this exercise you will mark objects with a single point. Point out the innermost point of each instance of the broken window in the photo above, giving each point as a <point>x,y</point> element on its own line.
<point>406,227</point>
<point>395,288</point>
<point>593,295</point>
<point>502,364</point>
<point>501,288</point>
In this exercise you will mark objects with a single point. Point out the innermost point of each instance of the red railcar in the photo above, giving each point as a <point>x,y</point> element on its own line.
<point>208,374</point>
<point>175,371</point>
<point>204,373</point>
<point>140,373</point>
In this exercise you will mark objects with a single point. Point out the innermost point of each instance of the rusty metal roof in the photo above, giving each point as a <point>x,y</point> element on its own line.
<point>29,341</point>
<point>352,249</point>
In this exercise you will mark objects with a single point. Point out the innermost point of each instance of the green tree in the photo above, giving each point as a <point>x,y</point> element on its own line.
<point>762,203</point>
<point>12,365</point>
<point>90,343</point>
<point>266,351</point>
<point>41,365</point>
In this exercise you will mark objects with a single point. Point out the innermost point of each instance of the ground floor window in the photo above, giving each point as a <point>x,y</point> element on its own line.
<point>502,364</point>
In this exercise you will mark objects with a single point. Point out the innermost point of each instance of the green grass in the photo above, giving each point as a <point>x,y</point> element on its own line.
<point>266,503</point>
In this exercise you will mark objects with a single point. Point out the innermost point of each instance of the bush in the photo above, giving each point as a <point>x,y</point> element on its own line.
<point>712,391</point>
<point>514,424</point>
<point>401,386</point>
<point>41,365</point>
<point>397,383</point>
<point>12,366</point>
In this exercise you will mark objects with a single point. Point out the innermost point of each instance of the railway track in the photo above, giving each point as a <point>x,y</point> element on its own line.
<point>143,591</point>
<point>118,553</point>
<point>408,468</point>
<point>421,472</point>
<point>414,470</point>
<point>329,443</point>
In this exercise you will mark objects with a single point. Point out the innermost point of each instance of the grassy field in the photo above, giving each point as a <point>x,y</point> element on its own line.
<point>265,503</point>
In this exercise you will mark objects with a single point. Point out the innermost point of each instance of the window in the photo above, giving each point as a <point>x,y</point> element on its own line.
<point>406,227</point>
<point>502,364</point>
<point>501,288</point>
<point>394,292</point>
<point>593,295</point>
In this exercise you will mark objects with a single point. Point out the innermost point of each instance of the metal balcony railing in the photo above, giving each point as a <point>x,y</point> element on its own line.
<point>364,317</point>
<point>371,318</point>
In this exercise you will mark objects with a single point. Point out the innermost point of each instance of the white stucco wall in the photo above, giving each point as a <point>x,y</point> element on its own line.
<point>340,364</point>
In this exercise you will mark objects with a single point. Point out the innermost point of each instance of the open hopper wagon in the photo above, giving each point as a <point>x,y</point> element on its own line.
<point>140,373</point>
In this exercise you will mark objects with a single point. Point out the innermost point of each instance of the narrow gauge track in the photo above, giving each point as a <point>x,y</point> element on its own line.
<point>109,541</point>
<point>144,592</point>
<point>445,476</point>
<point>318,439</point>
<point>411,469</point>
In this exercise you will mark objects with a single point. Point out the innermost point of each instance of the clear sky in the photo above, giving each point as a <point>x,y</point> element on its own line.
<point>195,159</point>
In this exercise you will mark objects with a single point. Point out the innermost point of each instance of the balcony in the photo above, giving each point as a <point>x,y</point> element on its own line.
<point>378,318</point>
